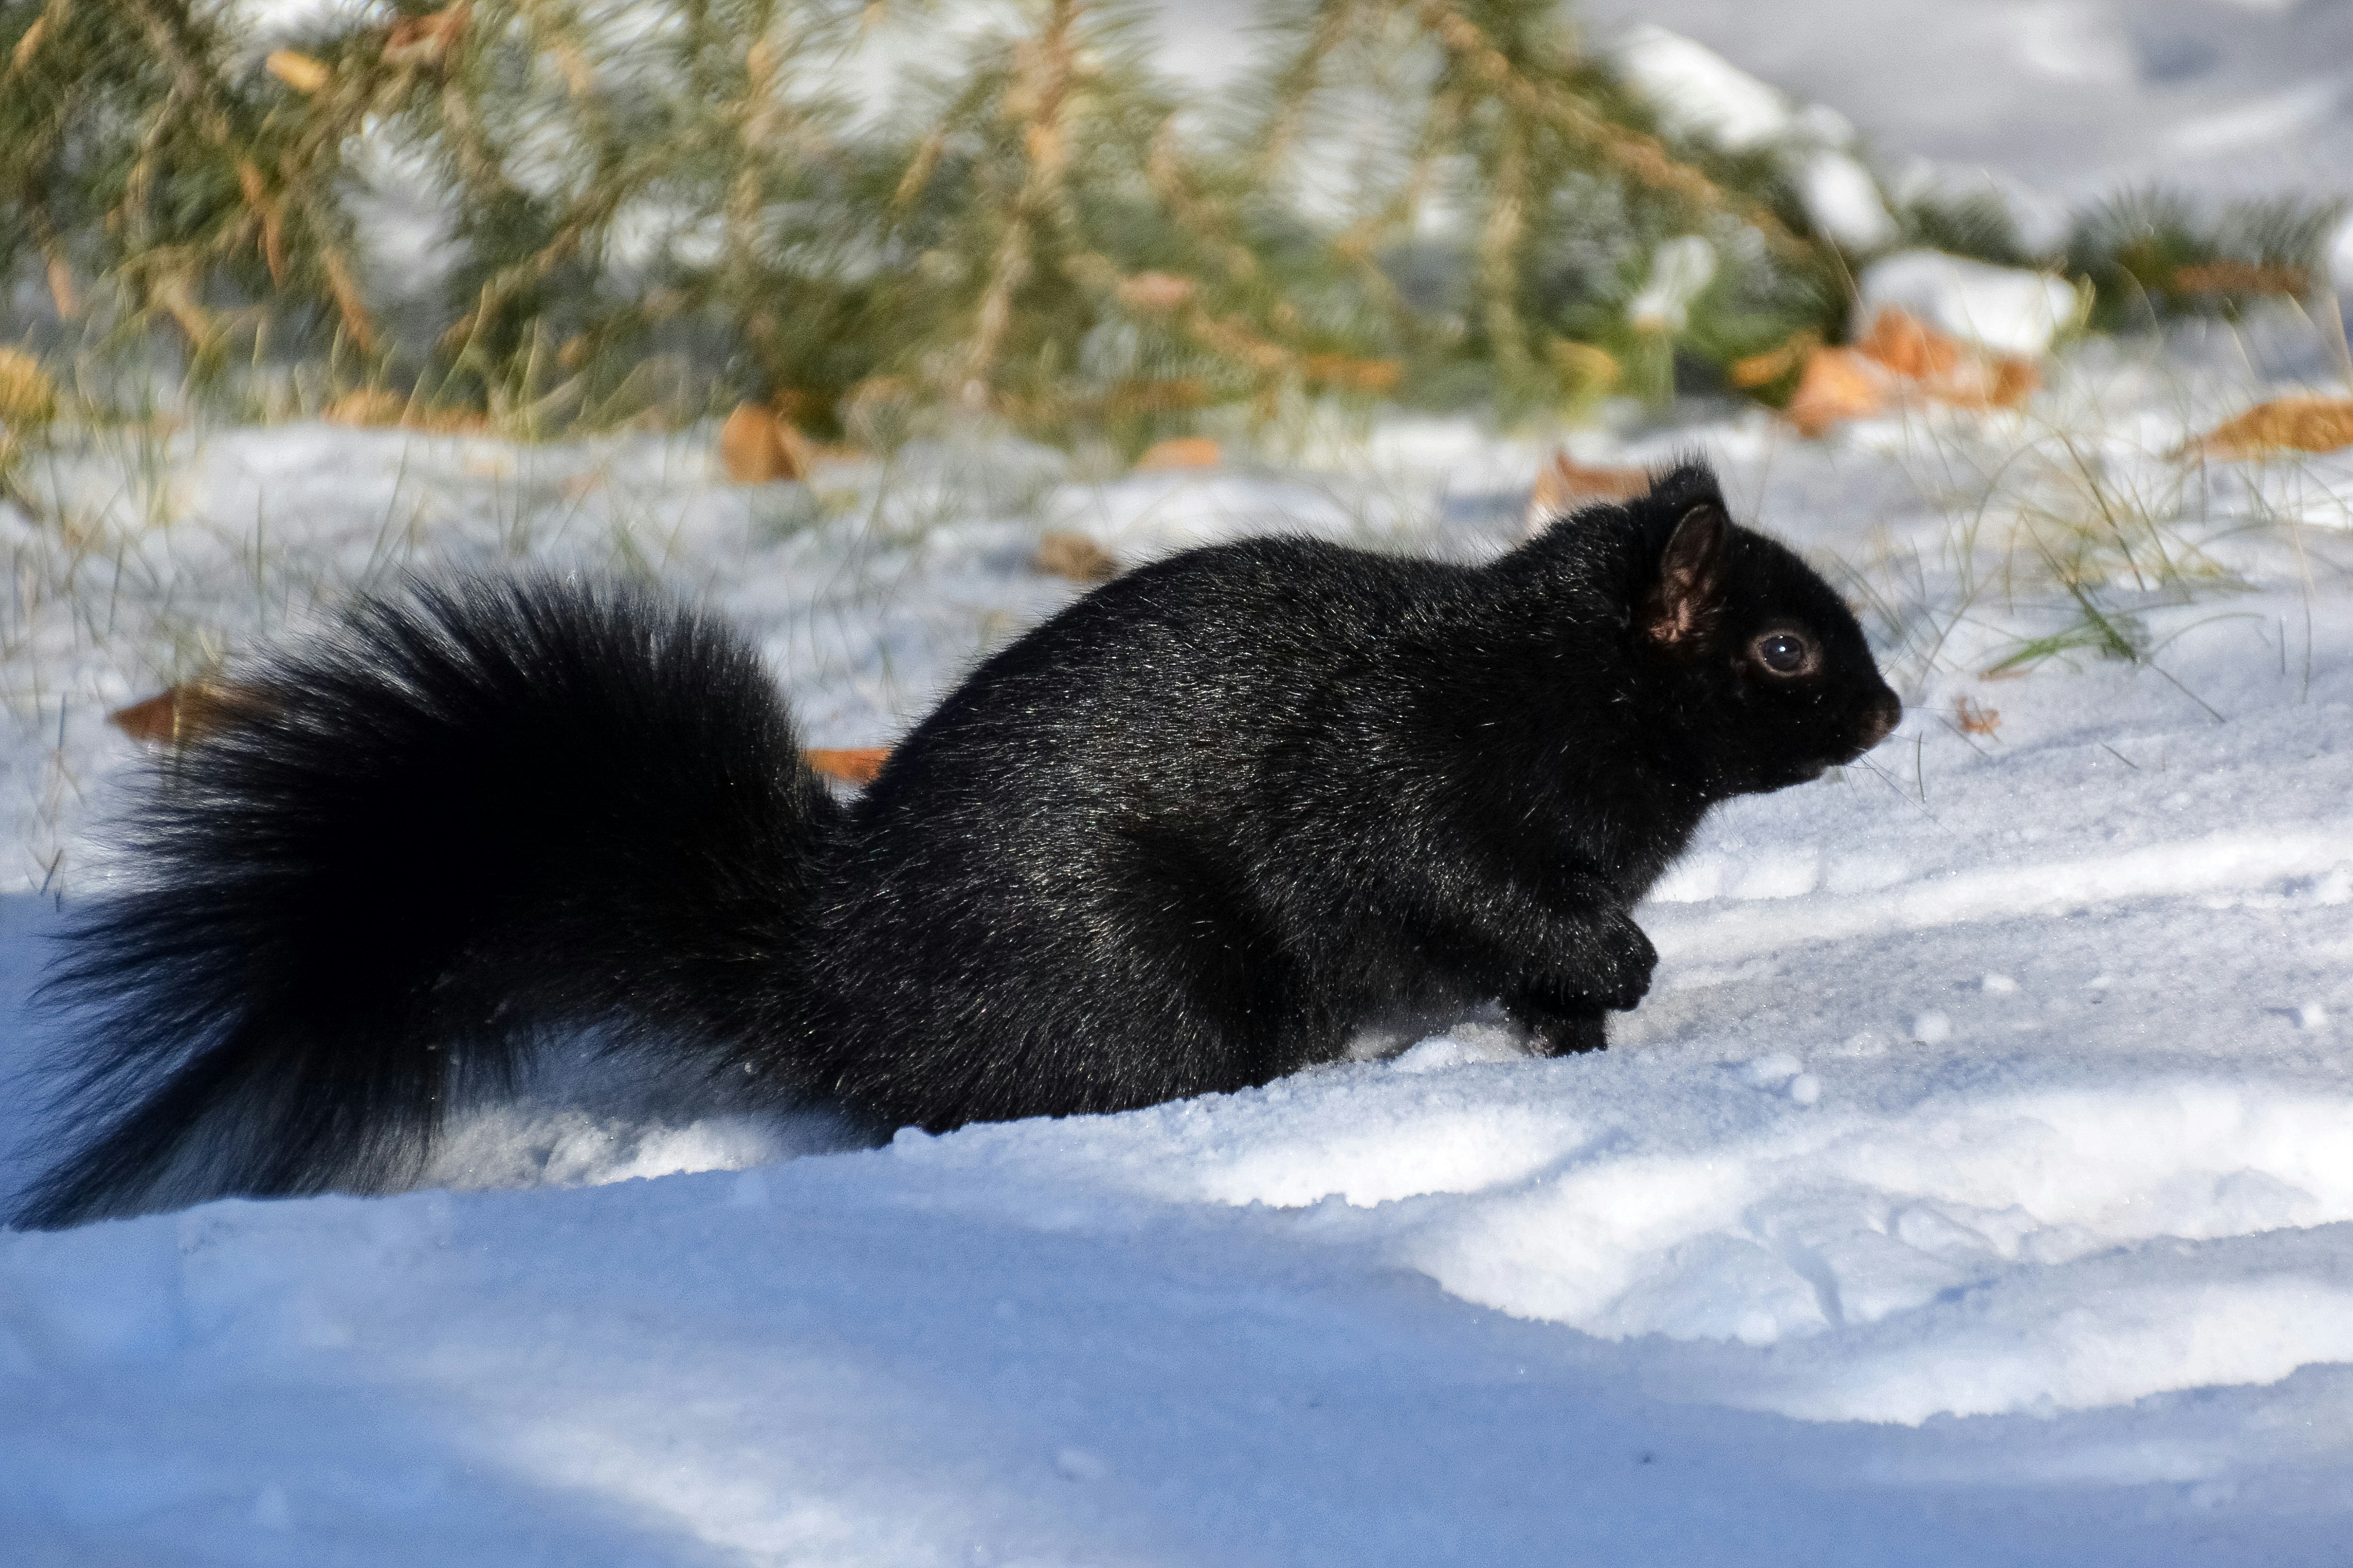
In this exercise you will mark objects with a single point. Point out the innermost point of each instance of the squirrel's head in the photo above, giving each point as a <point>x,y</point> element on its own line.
<point>1734,640</point>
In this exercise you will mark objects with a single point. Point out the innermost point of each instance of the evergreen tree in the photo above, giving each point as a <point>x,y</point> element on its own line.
<point>668,205</point>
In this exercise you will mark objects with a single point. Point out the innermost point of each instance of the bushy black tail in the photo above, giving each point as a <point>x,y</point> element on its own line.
<point>472,816</point>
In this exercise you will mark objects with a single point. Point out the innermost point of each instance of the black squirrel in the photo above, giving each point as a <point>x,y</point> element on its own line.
<point>1193,833</point>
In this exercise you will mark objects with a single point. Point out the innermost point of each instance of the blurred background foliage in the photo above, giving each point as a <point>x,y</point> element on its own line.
<point>553,215</point>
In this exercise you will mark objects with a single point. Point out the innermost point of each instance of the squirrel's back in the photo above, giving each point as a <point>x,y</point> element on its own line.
<point>1127,859</point>
<point>1193,833</point>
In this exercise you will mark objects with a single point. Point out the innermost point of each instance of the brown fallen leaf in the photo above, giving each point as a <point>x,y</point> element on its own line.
<point>1564,485</point>
<point>1975,718</point>
<point>1901,362</point>
<point>380,408</point>
<point>427,40</point>
<point>152,721</point>
<point>1762,369</point>
<point>193,709</point>
<point>2240,277</point>
<point>2015,380</point>
<point>850,765</point>
<point>185,712</point>
<point>1939,368</point>
<point>1180,452</point>
<point>1909,346</point>
<point>366,405</point>
<point>2282,425</point>
<point>756,448</point>
<point>1158,292</point>
<point>1584,370</point>
<point>62,293</point>
<point>297,70</point>
<point>1343,373</point>
<point>1170,394</point>
<point>1062,553</point>
<point>1839,385</point>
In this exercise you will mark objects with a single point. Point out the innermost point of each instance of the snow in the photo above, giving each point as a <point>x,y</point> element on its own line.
<point>1681,270</point>
<point>2007,310</point>
<point>2075,99</point>
<point>1697,92</point>
<point>1974,1187</point>
<point>1700,93</point>
<point>1843,200</point>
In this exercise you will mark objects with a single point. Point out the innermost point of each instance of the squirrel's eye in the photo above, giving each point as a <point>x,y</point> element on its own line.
<point>1784,653</point>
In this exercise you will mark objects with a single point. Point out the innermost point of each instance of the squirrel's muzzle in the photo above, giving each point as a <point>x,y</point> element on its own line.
<point>1878,721</point>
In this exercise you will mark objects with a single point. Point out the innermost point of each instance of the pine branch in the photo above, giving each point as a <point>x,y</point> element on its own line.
<point>1643,156</point>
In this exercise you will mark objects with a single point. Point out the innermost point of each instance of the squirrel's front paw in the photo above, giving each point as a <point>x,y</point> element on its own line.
<point>1623,959</point>
<point>1562,1035</point>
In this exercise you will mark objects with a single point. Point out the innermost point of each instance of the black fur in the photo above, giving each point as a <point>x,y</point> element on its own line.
<point>1192,834</point>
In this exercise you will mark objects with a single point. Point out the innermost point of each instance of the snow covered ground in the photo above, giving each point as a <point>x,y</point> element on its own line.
<point>1976,1186</point>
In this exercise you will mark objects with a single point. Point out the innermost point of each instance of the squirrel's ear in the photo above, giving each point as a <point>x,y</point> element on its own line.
<point>1681,613</point>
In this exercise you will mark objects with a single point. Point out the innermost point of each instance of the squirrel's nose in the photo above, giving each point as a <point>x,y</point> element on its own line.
<point>1879,719</point>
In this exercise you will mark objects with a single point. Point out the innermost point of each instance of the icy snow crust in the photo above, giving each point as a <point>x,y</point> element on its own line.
<point>1975,1185</point>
